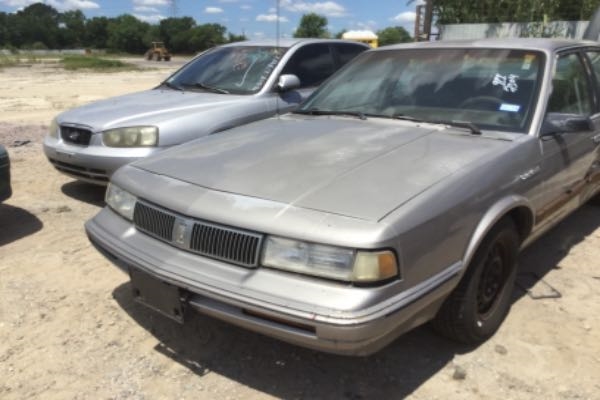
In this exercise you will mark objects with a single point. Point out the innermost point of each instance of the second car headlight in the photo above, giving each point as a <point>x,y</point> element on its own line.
<point>135,136</point>
<point>329,261</point>
<point>54,129</point>
<point>121,201</point>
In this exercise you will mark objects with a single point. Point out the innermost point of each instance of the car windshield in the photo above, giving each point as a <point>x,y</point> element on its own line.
<point>231,69</point>
<point>488,88</point>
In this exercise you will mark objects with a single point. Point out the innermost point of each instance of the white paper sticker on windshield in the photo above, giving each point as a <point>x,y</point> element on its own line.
<point>527,61</point>
<point>508,83</point>
<point>510,107</point>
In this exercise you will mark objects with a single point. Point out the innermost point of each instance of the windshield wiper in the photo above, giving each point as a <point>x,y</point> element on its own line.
<point>204,86</point>
<point>172,86</point>
<point>457,124</point>
<point>316,111</point>
<point>408,118</point>
<point>461,124</point>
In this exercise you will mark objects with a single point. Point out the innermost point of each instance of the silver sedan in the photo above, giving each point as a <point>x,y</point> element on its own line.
<point>221,88</point>
<point>400,192</point>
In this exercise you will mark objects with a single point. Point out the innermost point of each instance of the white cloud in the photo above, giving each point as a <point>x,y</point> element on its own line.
<point>405,17</point>
<point>258,35</point>
<point>151,19</point>
<point>151,2</point>
<point>270,18</point>
<point>145,9</point>
<point>213,10</point>
<point>327,8</point>
<point>60,5</point>
<point>18,3</point>
<point>246,7</point>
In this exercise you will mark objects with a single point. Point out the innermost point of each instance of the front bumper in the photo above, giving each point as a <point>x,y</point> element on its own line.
<point>92,163</point>
<point>271,302</point>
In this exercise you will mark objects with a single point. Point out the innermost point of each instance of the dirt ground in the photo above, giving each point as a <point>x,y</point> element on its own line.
<point>70,330</point>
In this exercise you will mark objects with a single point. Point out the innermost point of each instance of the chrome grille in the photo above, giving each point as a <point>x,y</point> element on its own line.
<point>212,240</point>
<point>226,244</point>
<point>75,135</point>
<point>153,221</point>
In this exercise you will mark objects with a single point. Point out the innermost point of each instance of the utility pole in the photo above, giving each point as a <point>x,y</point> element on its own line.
<point>174,9</point>
<point>423,21</point>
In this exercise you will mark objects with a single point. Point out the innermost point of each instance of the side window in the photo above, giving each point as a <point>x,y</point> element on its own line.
<point>571,91</point>
<point>312,64</point>
<point>346,52</point>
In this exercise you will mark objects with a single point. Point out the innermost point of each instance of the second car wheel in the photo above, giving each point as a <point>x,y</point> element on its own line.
<point>474,311</point>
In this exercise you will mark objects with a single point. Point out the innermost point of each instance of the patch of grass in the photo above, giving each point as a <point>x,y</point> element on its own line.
<point>95,63</point>
<point>6,61</point>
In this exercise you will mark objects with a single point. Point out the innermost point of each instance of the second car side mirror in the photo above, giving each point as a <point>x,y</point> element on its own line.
<point>288,82</point>
<point>565,123</point>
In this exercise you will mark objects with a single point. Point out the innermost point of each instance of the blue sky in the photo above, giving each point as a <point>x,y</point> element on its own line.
<point>254,18</point>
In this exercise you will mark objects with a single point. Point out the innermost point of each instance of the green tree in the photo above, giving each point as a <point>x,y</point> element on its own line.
<point>232,37</point>
<point>393,34</point>
<point>199,38</point>
<point>96,33</point>
<point>168,28</point>
<point>496,11</point>
<point>340,34</point>
<point>36,23</point>
<point>312,26</point>
<point>72,29</point>
<point>127,33</point>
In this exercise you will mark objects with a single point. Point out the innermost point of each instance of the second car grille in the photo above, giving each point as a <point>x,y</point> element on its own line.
<point>212,240</point>
<point>75,135</point>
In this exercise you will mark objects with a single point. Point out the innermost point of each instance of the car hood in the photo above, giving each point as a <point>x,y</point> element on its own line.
<point>149,107</point>
<point>357,168</point>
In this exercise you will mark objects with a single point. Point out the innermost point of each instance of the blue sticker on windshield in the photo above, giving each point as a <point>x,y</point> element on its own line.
<point>510,107</point>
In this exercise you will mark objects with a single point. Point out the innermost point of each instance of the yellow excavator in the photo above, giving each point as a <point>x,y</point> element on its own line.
<point>158,52</point>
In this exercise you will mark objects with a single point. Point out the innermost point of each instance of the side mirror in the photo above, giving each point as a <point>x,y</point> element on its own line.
<point>288,82</point>
<point>555,123</point>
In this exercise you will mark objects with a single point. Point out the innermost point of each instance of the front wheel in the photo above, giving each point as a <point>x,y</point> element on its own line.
<point>474,311</point>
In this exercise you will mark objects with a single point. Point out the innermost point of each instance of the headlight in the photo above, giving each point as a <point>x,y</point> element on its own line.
<point>54,129</point>
<point>120,200</point>
<point>329,261</point>
<point>136,136</point>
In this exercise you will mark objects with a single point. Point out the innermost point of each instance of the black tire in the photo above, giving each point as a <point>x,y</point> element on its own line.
<point>474,311</point>
<point>595,201</point>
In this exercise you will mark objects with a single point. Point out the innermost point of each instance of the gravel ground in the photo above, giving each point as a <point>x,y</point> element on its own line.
<point>69,328</point>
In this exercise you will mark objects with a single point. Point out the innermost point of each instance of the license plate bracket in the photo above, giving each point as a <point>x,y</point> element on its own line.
<point>158,295</point>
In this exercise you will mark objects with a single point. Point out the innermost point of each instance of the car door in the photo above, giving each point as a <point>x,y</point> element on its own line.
<point>592,56</point>
<point>568,157</point>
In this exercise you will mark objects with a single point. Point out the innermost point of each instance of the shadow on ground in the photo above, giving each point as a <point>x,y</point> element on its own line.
<point>86,192</point>
<point>207,345</point>
<point>16,223</point>
<point>204,345</point>
<point>546,254</point>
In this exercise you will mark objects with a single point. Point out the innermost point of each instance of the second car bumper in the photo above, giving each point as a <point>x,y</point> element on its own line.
<point>355,332</point>
<point>93,164</point>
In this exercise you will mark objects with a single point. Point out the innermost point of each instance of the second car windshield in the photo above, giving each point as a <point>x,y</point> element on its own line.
<point>231,69</point>
<point>490,88</point>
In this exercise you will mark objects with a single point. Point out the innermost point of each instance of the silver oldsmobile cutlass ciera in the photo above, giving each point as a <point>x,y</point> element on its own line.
<point>224,87</point>
<point>400,192</point>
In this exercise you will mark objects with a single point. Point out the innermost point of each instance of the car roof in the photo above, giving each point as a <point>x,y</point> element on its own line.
<point>289,42</point>
<point>542,44</point>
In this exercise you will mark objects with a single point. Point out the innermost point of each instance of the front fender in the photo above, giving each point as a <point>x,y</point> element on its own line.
<point>503,207</point>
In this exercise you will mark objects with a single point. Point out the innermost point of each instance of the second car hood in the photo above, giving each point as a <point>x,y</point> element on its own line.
<point>346,166</point>
<point>147,107</point>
